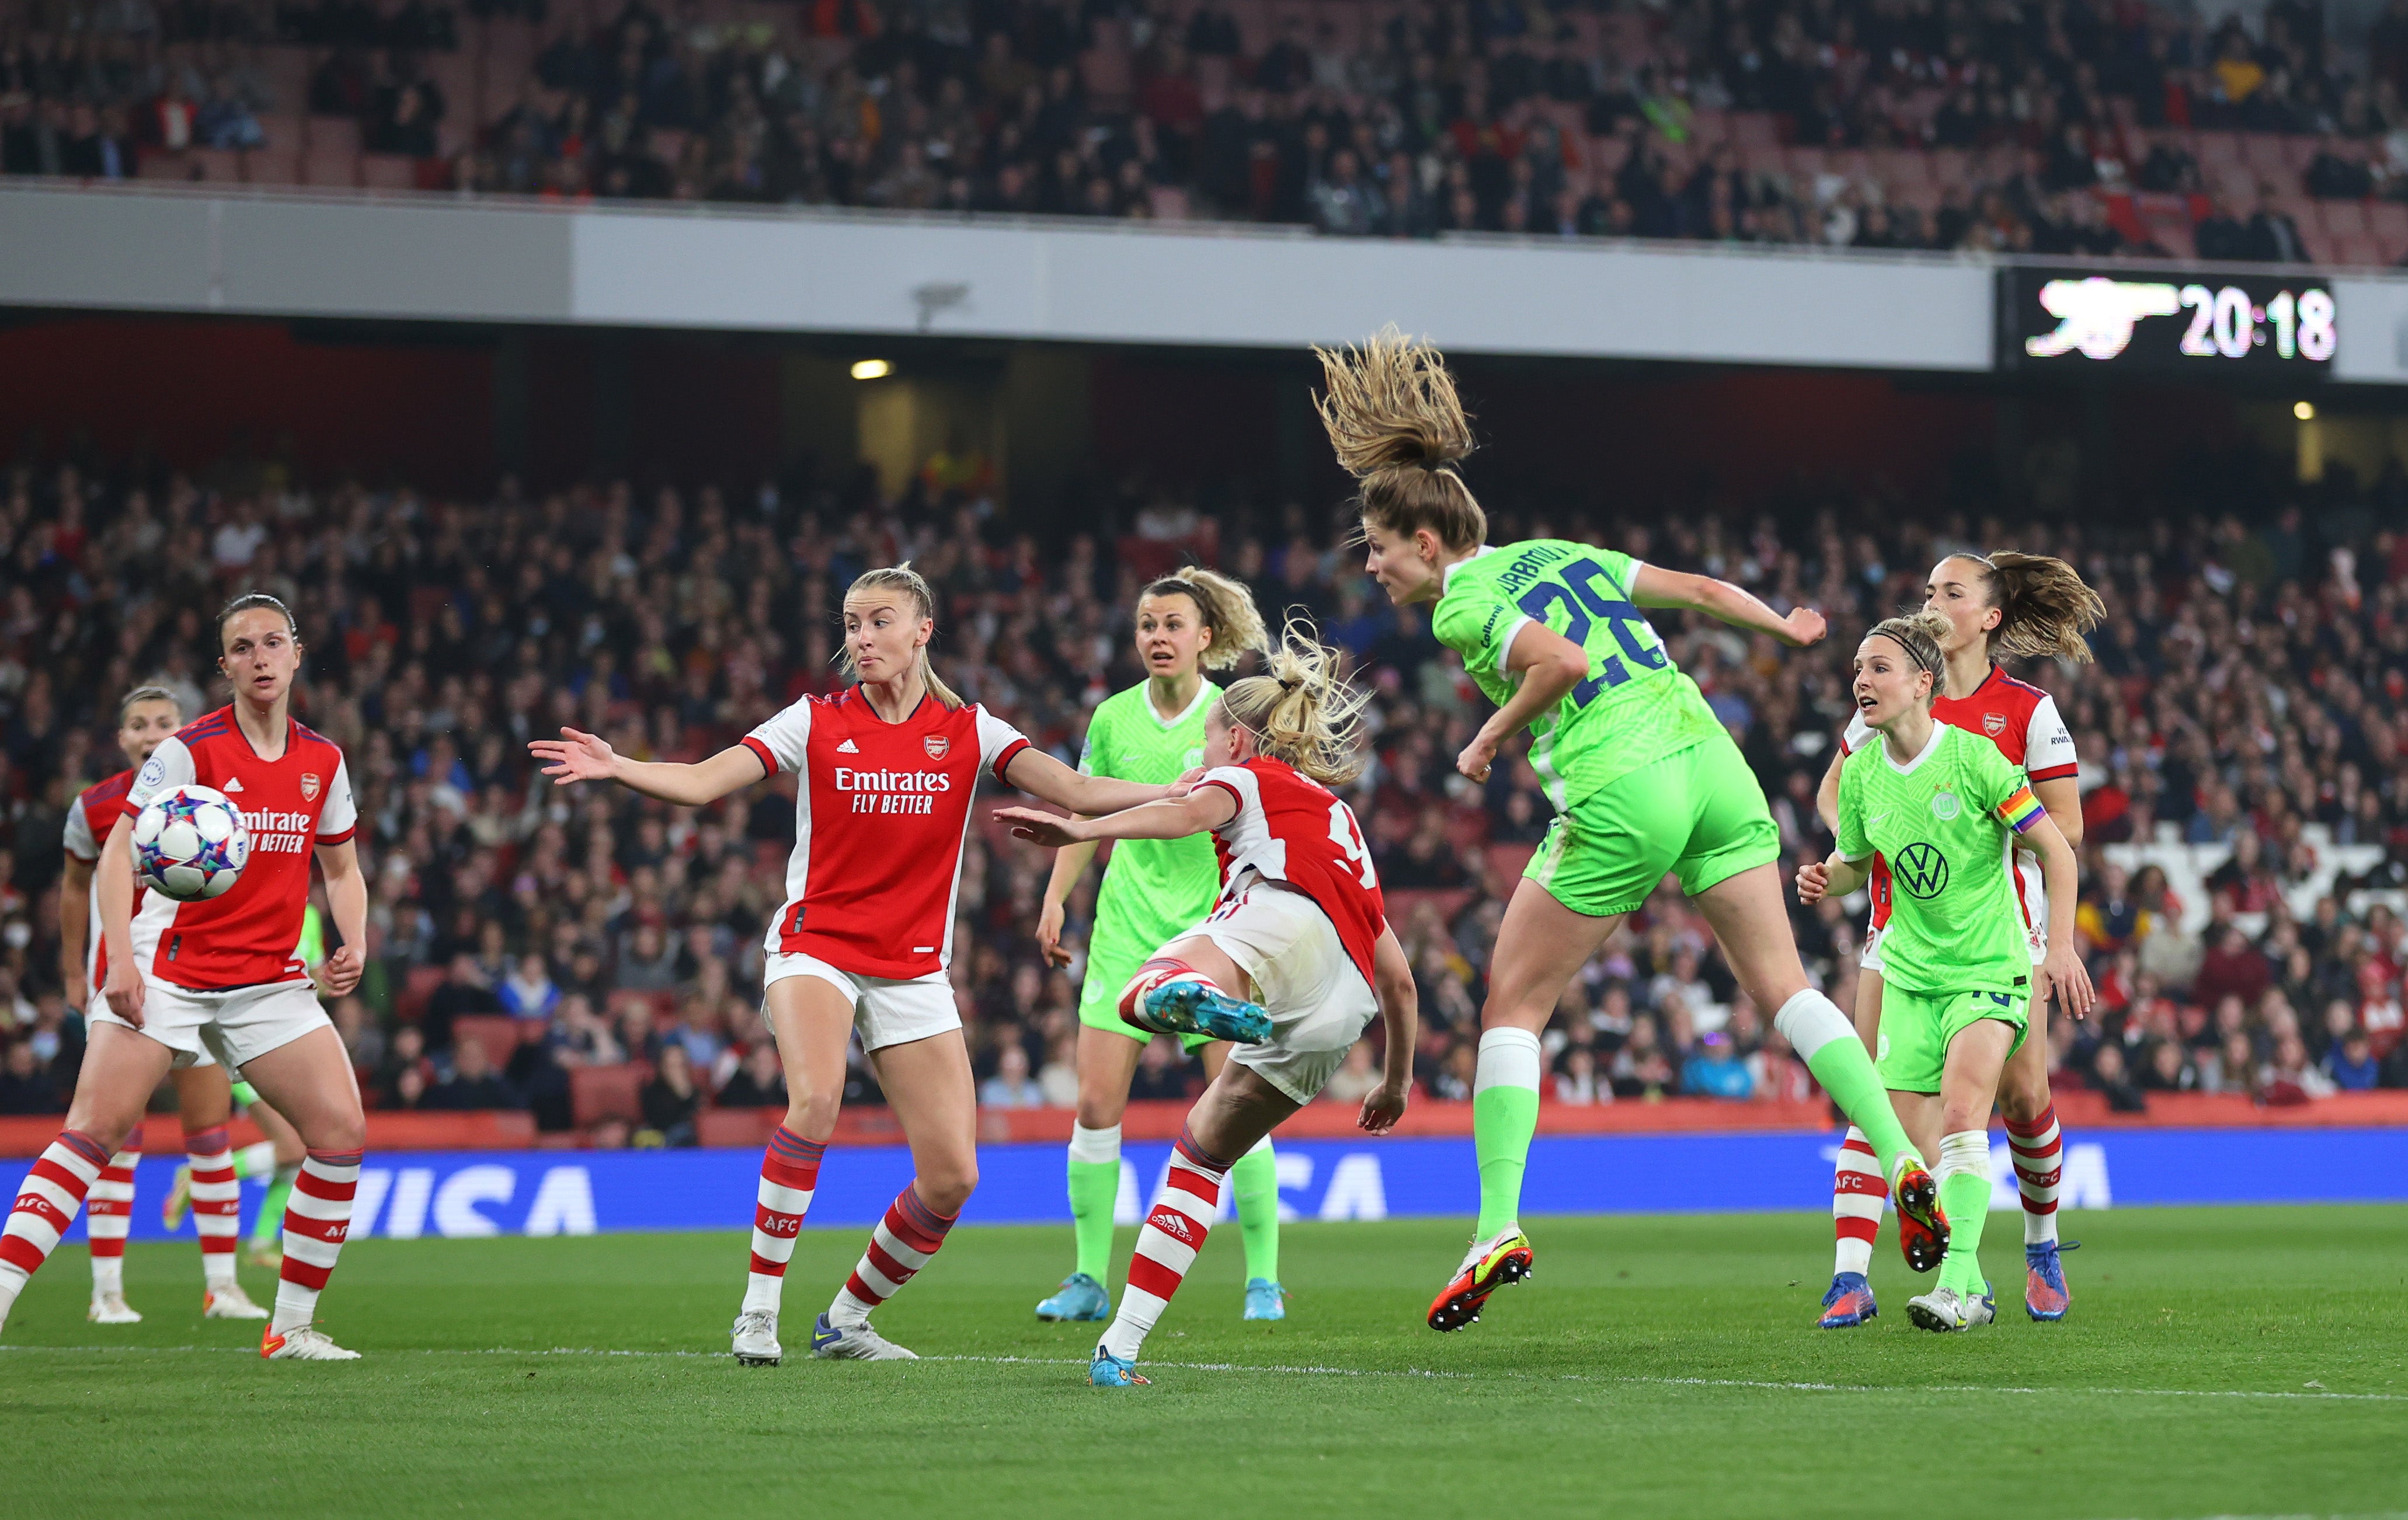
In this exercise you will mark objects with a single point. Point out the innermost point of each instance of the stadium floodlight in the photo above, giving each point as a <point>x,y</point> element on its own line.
<point>871,369</point>
<point>2304,411</point>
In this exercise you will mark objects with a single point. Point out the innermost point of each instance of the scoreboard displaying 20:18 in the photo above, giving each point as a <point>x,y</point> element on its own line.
<point>2167,323</point>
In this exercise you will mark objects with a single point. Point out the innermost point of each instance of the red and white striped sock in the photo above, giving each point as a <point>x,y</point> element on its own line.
<point>2039,1150</point>
<point>108,1215</point>
<point>216,1202</point>
<point>1857,1194</point>
<point>789,1171</point>
<point>317,1218</point>
<point>911,1233</point>
<point>1174,1232</point>
<point>47,1203</point>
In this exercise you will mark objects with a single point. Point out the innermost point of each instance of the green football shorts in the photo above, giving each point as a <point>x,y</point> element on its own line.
<point>1696,813</point>
<point>1916,1029</point>
<point>1111,959</point>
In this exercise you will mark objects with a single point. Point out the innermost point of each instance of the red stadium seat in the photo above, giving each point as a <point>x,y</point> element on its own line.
<point>1169,203</point>
<point>330,170</point>
<point>497,1033</point>
<point>272,165</point>
<point>417,989</point>
<point>598,1094</point>
<point>331,135</point>
<point>2344,219</point>
<point>160,164</point>
<point>388,171</point>
<point>2357,251</point>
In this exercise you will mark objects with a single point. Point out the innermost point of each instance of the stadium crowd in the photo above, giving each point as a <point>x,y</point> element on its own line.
<point>2251,681</point>
<point>2016,126</point>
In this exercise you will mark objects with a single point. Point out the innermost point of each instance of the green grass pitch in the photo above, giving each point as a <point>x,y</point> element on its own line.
<point>2218,1362</point>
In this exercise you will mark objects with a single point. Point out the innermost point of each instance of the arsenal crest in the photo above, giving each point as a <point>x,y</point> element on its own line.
<point>1994,724</point>
<point>937,745</point>
<point>308,786</point>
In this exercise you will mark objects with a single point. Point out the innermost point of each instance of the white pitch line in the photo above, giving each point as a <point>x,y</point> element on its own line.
<point>1313,1371</point>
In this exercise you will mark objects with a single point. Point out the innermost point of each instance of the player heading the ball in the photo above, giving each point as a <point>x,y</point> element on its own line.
<point>1643,777</point>
<point>886,772</point>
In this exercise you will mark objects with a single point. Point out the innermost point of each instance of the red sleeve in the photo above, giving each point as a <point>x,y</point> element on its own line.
<point>2054,772</point>
<point>761,753</point>
<point>1213,781</point>
<point>1003,762</point>
<point>343,838</point>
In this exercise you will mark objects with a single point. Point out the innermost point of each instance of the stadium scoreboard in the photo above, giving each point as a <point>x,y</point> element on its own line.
<point>2167,323</point>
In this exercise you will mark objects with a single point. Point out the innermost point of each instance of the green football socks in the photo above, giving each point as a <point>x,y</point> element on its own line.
<point>1094,1192</point>
<point>1819,1033</point>
<point>1504,1117</point>
<point>1255,1181</point>
<point>1965,1196</point>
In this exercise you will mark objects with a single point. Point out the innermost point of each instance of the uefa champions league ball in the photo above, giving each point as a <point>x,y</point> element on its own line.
<point>190,844</point>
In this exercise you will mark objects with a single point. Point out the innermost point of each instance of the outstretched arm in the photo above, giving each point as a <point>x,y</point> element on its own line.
<point>1656,587</point>
<point>1039,773</point>
<point>577,756</point>
<point>1200,811</point>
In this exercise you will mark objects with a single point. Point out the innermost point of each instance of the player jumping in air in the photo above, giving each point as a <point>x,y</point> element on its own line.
<point>886,773</point>
<point>1643,777</point>
<point>1293,962</point>
<point>208,1182</point>
<point>1942,807</point>
<point>220,976</point>
<point>1997,606</point>
<point>1153,888</point>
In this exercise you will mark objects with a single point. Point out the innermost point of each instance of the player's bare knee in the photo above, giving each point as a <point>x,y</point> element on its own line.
<point>812,1115</point>
<point>341,1133</point>
<point>946,1187</point>
<point>1101,1107</point>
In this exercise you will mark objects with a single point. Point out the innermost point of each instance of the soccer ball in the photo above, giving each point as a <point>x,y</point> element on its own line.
<point>190,844</point>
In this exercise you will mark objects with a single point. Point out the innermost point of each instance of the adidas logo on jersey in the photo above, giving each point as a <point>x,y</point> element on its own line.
<point>848,748</point>
<point>233,784</point>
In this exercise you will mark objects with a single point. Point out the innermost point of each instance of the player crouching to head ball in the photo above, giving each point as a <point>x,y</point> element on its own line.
<point>1942,807</point>
<point>1292,965</point>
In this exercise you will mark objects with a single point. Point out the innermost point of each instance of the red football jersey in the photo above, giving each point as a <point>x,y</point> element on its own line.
<point>880,817</point>
<point>1294,830</point>
<point>290,804</point>
<point>95,812</point>
<point>2023,721</point>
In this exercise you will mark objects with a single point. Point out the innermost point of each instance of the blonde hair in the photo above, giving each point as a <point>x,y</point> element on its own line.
<point>1919,634</point>
<point>1301,710</point>
<point>2044,607</point>
<point>1223,604</point>
<point>140,694</point>
<point>910,582</point>
<point>1399,428</point>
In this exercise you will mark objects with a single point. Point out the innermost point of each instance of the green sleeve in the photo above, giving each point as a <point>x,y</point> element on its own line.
<point>1999,777</point>
<point>1850,834</point>
<point>1479,628</point>
<point>1621,567</point>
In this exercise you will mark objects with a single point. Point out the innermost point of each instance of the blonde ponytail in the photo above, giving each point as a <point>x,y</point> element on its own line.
<point>1399,427</point>
<point>910,582</point>
<point>1223,604</point>
<point>2044,607</point>
<point>1301,710</point>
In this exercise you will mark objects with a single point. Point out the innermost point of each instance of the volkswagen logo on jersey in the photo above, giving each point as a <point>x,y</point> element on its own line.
<point>937,745</point>
<point>309,784</point>
<point>1922,869</point>
<point>1944,805</point>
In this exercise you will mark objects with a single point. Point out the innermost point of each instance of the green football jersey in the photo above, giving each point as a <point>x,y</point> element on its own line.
<point>1635,708</point>
<point>1944,828</point>
<point>1153,888</point>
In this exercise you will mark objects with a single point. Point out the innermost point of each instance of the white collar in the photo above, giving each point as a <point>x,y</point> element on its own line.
<point>1448,574</point>
<point>1205,691</point>
<point>1930,746</point>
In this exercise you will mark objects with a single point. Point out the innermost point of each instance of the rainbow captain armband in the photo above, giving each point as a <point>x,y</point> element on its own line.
<point>2022,810</point>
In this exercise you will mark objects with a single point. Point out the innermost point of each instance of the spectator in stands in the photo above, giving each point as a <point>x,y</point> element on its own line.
<point>2350,1064</point>
<point>26,1085</point>
<point>405,1059</point>
<point>1012,1086</point>
<point>463,992</point>
<point>2339,171</point>
<point>472,1082</point>
<point>528,991</point>
<point>2224,232</point>
<point>2109,1075</point>
<point>670,1102</point>
<point>760,1081</point>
